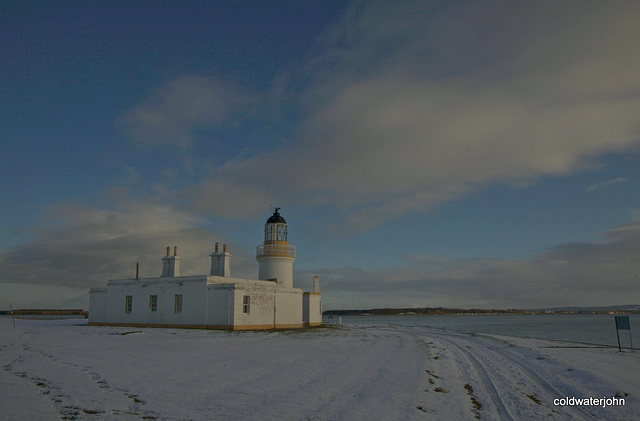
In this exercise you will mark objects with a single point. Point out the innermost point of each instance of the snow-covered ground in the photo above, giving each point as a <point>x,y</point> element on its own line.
<point>66,370</point>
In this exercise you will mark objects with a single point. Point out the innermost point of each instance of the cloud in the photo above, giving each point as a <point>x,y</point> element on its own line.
<point>583,274</point>
<point>41,296</point>
<point>82,247</point>
<point>409,106</point>
<point>171,114</point>
<point>605,184</point>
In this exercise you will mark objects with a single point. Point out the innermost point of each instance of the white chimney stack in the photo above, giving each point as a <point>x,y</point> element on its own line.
<point>220,262</point>
<point>171,264</point>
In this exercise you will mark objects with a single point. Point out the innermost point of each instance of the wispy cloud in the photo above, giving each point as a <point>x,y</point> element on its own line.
<point>600,273</point>
<point>82,247</point>
<point>174,111</point>
<point>406,107</point>
<point>605,184</point>
<point>90,245</point>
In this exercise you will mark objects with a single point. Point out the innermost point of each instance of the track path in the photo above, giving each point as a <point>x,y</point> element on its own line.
<point>505,382</point>
<point>73,391</point>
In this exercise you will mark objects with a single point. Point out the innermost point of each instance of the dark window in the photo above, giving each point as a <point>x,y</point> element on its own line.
<point>177,304</point>
<point>153,302</point>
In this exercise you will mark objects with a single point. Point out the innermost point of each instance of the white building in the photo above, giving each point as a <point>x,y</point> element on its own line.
<point>214,301</point>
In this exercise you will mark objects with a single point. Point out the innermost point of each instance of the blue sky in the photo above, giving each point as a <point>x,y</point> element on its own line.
<point>471,154</point>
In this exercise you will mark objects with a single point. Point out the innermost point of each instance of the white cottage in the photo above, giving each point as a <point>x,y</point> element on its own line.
<point>214,301</point>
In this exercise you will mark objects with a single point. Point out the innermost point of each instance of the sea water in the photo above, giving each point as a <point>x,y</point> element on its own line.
<point>597,329</point>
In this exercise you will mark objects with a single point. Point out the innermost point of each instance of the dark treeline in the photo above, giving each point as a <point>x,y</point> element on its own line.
<point>45,312</point>
<point>422,310</point>
<point>470,311</point>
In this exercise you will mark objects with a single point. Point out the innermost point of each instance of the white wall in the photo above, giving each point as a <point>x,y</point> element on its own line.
<point>97,305</point>
<point>220,309</point>
<point>194,302</point>
<point>270,305</point>
<point>276,267</point>
<point>312,309</point>
<point>260,308</point>
<point>192,289</point>
<point>289,308</point>
<point>209,301</point>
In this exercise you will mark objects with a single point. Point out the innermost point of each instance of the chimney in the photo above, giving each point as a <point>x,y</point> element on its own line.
<point>220,262</point>
<point>165,264</point>
<point>173,268</point>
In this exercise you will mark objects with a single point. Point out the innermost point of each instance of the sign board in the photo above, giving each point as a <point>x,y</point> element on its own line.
<point>622,323</point>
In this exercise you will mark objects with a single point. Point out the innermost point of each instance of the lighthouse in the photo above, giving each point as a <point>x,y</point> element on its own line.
<point>275,256</point>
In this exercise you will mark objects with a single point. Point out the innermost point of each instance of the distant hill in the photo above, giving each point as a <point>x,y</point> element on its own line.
<point>629,308</point>
<point>598,309</point>
<point>44,312</point>
<point>422,310</point>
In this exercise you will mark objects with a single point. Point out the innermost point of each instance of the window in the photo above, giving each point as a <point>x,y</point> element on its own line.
<point>282,232</point>
<point>153,303</point>
<point>177,304</point>
<point>128,303</point>
<point>246,303</point>
<point>277,232</point>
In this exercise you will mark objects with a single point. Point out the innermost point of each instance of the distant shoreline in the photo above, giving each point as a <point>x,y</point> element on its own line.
<point>631,309</point>
<point>44,312</point>
<point>628,309</point>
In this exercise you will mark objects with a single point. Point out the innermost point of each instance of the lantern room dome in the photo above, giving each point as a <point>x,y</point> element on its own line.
<point>276,218</point>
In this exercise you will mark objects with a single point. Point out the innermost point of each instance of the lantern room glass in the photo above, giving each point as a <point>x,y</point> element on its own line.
<point>275,232</point>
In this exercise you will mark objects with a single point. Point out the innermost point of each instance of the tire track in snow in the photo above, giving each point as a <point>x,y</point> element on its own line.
<point>484,377</point>
<point>536,378</point>
<point>506,358</point>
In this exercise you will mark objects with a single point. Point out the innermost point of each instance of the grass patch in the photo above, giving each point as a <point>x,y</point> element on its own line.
<point>129,333</point>
<point>476,405</point>
<point>533,398</point>
<point>91,412</point>
<point>135,398</point>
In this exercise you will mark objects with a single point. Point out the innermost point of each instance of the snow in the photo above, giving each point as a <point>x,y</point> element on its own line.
<point>65,369</point>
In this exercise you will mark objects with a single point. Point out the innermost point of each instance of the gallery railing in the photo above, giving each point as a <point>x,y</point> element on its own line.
<point>276,250</point>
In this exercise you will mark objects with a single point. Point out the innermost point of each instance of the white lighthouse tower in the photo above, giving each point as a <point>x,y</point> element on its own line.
<point>275,256</point>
